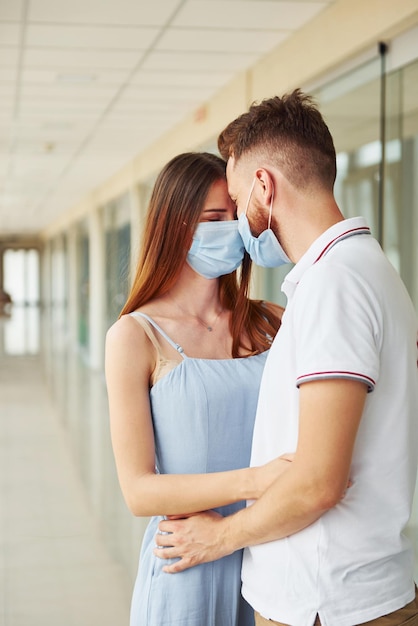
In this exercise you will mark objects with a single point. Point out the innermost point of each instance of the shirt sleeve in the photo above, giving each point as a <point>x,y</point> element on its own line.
<point>337,326</point>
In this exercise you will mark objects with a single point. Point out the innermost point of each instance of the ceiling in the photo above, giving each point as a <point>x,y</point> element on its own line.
<point>86,85</point>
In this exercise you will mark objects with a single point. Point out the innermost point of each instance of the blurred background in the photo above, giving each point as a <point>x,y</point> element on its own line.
<point>95,97</point>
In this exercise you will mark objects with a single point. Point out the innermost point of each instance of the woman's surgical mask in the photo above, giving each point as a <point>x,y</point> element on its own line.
<point>217,249</point>
<point>264,250</point>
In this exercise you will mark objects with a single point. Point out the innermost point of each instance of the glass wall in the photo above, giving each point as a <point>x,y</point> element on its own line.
<point>376,171</point>
<point>21,331</point>
<point>118,250</point>
<point>401,198</point>
<point>59,292</point>
<point>375,179</point>
<point>351,108</point>
<point>83,284</point>
<point>21,275</point>
<point>80,392</point>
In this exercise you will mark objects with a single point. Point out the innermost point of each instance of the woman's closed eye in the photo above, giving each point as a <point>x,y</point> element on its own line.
<point>216,215</point>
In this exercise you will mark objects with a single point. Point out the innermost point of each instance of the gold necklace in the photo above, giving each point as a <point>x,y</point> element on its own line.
<point>208,327</point>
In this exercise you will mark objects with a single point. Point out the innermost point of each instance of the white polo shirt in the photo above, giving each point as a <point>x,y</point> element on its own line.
<point>348,316</point>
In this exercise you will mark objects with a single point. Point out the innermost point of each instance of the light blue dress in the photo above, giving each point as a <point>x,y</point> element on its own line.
<point>203,414</point>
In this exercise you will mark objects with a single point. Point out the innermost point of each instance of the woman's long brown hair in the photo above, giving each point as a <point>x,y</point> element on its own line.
<point>174,211</point>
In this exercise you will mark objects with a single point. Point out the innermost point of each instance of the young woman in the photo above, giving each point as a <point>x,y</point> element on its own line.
<point>183,369</point>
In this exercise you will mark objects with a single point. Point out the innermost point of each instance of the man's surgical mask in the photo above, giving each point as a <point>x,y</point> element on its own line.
<point>217,249</point>
<point>264,250</point>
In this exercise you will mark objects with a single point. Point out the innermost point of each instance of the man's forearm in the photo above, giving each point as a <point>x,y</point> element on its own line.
<point>287,507</point>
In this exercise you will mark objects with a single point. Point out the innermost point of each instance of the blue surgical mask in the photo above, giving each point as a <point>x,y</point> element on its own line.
<point>217,249</point>
<point>264,250</point>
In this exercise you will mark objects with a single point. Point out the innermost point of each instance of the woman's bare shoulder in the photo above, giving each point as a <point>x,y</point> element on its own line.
<point>126,325</point>
<point>128,351</point>
<point>126,332</point>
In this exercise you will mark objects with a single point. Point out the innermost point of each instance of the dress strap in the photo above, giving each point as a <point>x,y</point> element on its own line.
<point>161,331</point>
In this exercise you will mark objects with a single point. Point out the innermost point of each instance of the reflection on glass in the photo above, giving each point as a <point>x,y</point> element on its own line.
<point>118,249</point>
<point>83,285</point>
<point>21,331</point>
<point>351,108</point>
<point>21,275</point>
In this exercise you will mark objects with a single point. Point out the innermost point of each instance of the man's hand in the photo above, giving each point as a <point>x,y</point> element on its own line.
<point>195,539</point>
<point>203,537</point>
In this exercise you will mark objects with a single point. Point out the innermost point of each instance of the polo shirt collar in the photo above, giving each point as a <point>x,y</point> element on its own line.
<point>321,246</point>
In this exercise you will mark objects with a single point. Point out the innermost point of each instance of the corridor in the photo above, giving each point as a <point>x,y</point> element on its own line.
<point>55,566</point>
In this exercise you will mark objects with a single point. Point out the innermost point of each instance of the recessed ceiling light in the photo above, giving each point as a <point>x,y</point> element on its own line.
<point>80,79</point>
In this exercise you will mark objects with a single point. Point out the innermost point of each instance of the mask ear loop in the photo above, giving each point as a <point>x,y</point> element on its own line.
<point>271,208</point>
<point>249,198</point>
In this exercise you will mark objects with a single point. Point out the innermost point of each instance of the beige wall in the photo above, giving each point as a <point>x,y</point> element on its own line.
<point>344,31</point>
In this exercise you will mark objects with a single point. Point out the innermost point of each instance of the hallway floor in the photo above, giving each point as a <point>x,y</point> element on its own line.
<point>55,569</point>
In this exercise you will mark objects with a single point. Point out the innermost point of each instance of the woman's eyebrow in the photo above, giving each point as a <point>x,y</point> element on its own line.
<point>217,210</point>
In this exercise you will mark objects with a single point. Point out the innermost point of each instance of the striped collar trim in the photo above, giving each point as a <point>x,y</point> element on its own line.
<point>341,230</point>
<point>362,230</point>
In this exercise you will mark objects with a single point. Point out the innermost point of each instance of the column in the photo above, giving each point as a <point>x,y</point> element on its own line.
<point>96,288</point>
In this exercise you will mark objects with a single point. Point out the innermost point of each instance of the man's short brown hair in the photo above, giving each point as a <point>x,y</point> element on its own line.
<point>288,132</point>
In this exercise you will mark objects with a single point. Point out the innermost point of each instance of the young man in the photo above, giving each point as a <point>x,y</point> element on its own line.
<point>340,389</point>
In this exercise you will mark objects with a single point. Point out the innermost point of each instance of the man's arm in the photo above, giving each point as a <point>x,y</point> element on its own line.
<point>315,481</point>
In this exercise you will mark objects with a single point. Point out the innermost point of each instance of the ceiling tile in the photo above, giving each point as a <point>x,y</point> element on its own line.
<point>64,90</point>
<point>6,108</point>
<point>211,40</point>
<point>47,110</point>
<point>9,56</point>
<point>180,78</point>
<point>7,92</point>
<point>52,76</point>
<point>88,60</point>
<point>158,93</point>
<point>9,34</point>
<point>203,62</point>
<point>147,113</point>
<point>241,14</point>
<point>55,114</point>
<point>8,74</point>
<point>128,12</point>
<point>11,10</point>
<point>89,37</point>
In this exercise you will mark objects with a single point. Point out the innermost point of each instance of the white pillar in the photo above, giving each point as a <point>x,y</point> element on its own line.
<point>46,304</point>
<point>72,293</point>
<point>96,289</point>
<point>414,225</point>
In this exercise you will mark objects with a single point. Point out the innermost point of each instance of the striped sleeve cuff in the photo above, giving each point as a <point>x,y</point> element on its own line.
<point>305,378</point>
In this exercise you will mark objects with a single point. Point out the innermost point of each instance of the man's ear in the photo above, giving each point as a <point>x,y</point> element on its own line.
<point>264,185</point>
